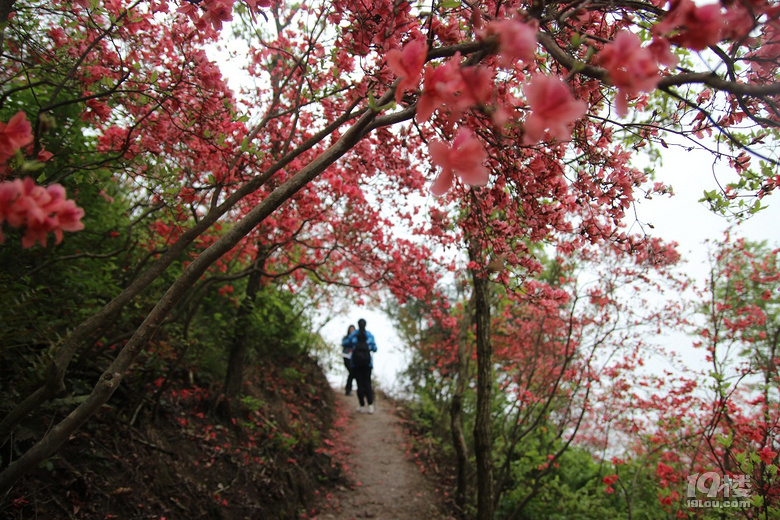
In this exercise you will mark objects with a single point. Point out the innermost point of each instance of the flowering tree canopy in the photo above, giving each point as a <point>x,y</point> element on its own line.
<point>529,114</point>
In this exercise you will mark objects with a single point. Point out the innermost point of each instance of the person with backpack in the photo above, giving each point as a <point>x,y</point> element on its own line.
<point>362,344</point>
<point>346,352</point>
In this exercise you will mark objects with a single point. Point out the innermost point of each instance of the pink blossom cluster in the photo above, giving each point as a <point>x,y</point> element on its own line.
<point>38,209</point>
<point>407,64</point>
<point>215,12</point>
<point>465,158</point>
<point>450,85</point>
<point>24,204</point>
<point>553,108</point>
<point>631,67</point>
<point>447,85</point>
<point>693,26</point>
<point>13,135</point>
<point>516,40</point>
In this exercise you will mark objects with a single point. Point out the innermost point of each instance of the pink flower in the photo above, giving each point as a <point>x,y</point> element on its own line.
<point>439,87</point>
<point>254,3</point>
<point>13,135</point>
<point>516,40</point>
<point>464,158</point>
<point>631,67</point>
<point>218,11</point>
<point>189,10</point>
<point>662,52</point>
<point>553,108</point>
<point>477,86</point>
<point>40,210</point>
<point>407,64</point>
<point>692,26</point>
<point>767,455</point>
<point>763,59</point>
<point>44,155</point>
<point>18,131</point>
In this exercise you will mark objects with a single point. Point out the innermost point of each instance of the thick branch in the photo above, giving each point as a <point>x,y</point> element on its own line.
<point>686,78</point>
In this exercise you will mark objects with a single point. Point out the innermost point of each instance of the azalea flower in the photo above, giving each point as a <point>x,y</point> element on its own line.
<point>13,135</point>
<point>692,26</point>
<point>631,67</point>
<point>464,158</point>
<point>477,86</point>
<point>662,52</point>
<point>38,209</point>
<point>553,108</point>
<point>517,41</point>
<point>767,455</point>
<point>218,11</point>
<point>439,87</point>
<point>407,64</point>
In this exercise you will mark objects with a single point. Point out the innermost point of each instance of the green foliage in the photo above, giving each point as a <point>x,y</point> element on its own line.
<point>274,327</point>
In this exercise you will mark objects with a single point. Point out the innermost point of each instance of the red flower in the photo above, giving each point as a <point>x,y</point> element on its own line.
<point>465,158</point>
<point>767,455</point>
<point>40,210</point>
<point>692,26</point>
<point>439,87</point>
<point>517,41</point>
<point>407,64</point>
<point>632,68</point>
<point>553,108</point>
<point>13,135</point>
<point>609,479</point>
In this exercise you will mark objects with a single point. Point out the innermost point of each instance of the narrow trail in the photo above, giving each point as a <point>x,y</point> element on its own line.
<point>386,485</point>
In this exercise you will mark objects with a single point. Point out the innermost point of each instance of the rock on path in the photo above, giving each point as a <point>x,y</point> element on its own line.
<point>387,486</point>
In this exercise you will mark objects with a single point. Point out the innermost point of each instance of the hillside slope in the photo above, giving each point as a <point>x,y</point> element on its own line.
<point>162,452</point>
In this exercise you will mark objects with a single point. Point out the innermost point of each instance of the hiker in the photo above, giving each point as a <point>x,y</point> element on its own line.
<point>362,343</point>
<point>346,351</point>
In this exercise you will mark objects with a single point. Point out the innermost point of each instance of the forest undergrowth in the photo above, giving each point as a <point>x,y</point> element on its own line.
<point>172,456</point>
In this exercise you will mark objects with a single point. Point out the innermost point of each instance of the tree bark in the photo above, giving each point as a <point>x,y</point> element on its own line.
<point>6,7</point>
<point>234,378</point>
<point>456,408</point>
<point>483,435</point>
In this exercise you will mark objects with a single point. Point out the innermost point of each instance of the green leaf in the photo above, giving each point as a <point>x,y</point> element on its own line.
<point>740,457</point>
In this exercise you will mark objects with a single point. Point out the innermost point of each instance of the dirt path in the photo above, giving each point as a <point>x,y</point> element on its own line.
<point>386,485</point>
